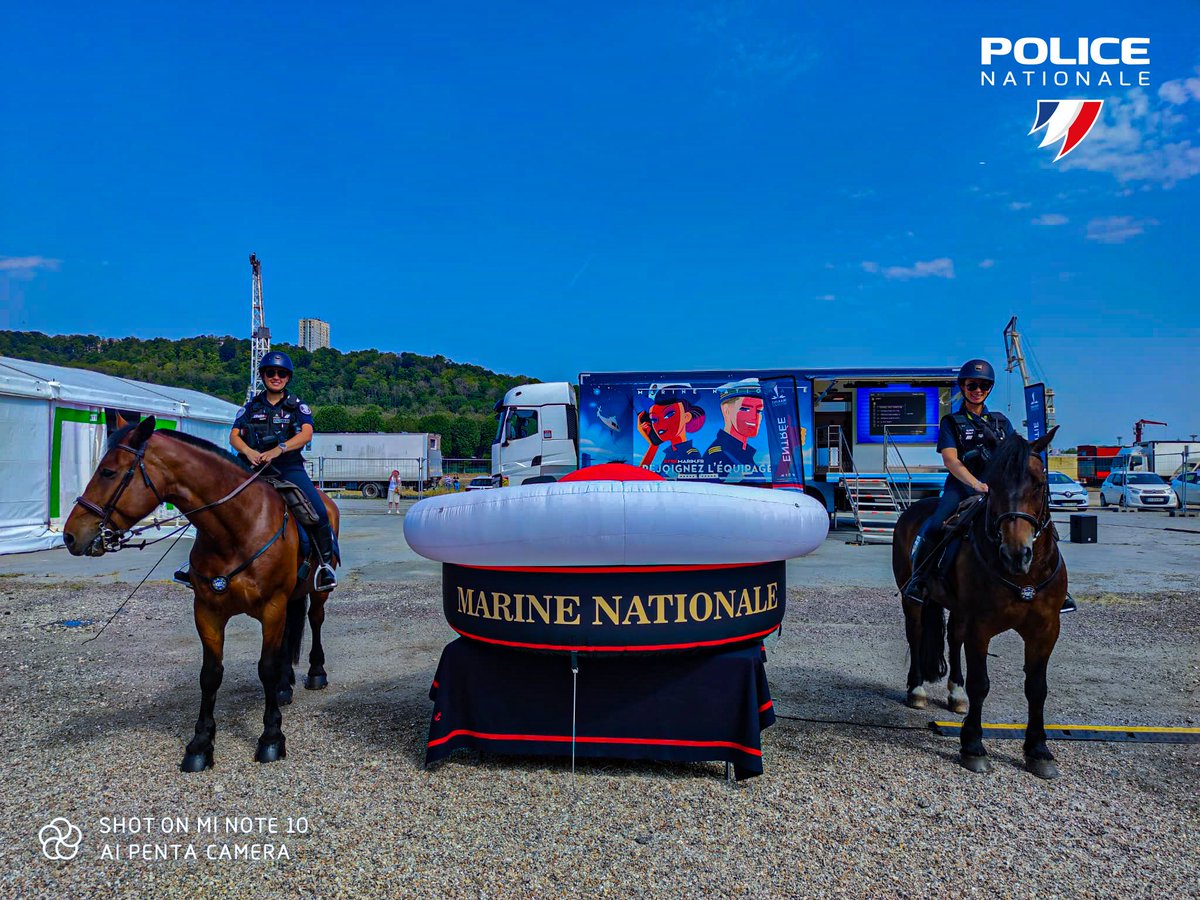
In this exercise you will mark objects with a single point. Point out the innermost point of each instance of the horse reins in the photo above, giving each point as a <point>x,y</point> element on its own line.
<point>112,540</point>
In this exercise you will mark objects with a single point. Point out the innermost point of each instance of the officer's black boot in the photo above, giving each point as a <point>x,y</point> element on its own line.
<point>324,579</point>
<point>1068,604</point>
<point>917,588</point>
<point>183,576</point>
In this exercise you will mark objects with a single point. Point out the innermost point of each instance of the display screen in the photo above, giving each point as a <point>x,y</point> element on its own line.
<point>899,413</point>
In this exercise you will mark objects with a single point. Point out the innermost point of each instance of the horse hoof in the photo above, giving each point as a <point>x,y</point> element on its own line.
<point>316,682</point>
<point>913,702</point>
<point>977,764</point>
<point>196,762</point>
<point>273,752</point>
<point>1042,768</point>
<point>285,697</point>
<point>958,707</point>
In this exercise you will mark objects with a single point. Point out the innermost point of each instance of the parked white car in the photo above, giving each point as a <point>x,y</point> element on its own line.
<point>1143,490</point>
<point>1193,489</point>
<point>1066,493</point>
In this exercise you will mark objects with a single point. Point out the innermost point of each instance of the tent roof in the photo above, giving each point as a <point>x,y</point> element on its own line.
<point>21,378</point>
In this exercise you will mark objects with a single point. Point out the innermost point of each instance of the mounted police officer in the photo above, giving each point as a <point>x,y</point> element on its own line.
<point>273,428</point>
<point>967,438</point>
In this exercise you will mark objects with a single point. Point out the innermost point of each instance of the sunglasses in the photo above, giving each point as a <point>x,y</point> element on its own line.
<point>275,373</point>
<point>977,386</point>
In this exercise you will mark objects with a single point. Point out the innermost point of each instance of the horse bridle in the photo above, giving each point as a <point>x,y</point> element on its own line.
<point>109,538</point>
<point>1039,524</point>
<point>991,531</point>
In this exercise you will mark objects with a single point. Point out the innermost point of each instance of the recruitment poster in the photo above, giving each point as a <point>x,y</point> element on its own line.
<point>727,427</point>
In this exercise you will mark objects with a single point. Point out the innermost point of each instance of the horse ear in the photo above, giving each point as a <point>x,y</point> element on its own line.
<point>142,433</point>
<point>1042,443</point>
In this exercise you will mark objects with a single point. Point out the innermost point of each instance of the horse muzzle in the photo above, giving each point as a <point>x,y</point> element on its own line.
<point>1017,560</point>
<point>97,546</point>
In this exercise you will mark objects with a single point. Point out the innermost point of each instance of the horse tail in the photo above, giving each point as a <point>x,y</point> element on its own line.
<point>933,642</point>
<point>293,631</point>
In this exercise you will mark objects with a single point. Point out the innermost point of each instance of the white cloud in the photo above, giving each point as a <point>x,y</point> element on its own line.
<point>986,263</point>
<point>1051,219</point>
<point>1181,90</point>
<point>23,268</point>
<point>1140,138</point>
<point>27,263</point>
<point>826,297</point>
<point>1018,205</point>
<point>943,267</point>
<point>1116,229</point>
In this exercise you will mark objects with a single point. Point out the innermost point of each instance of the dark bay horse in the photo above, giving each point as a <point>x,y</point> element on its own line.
<point>1008,574</point>
<point>245,559</point>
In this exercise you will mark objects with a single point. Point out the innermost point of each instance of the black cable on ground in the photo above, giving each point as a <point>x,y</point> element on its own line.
<point>135,590</point>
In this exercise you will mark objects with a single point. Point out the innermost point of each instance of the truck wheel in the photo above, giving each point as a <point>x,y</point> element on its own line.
<point>371,491</point>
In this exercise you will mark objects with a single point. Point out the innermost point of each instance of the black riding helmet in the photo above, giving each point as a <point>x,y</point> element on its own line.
<point>277,359</point>
<point>979,369</point>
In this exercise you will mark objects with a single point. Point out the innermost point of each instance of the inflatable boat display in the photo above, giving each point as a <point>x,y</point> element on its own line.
<point>612,561</point>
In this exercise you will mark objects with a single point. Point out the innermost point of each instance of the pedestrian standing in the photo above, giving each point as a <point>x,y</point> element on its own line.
<point>394,492</point>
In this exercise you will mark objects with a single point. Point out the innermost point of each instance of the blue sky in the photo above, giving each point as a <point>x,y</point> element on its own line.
<point>549,188</point>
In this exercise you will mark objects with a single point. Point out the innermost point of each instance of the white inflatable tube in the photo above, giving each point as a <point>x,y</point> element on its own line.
<point>616,523</point>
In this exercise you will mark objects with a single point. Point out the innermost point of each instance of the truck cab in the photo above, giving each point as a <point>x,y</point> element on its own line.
<point>537,433</point>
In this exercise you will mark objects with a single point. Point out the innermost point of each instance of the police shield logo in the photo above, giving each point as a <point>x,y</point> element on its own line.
<point>304,409</point>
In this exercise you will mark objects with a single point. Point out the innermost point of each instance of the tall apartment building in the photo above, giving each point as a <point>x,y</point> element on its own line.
<point>314,334</point>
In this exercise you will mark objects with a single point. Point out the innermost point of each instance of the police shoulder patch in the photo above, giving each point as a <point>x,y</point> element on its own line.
<point>241,412</point>
<point>304,409</point>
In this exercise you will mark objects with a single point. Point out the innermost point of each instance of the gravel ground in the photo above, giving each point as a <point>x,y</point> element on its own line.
<point>96,731</point>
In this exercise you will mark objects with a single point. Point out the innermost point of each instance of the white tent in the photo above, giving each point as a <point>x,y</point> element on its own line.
<point>53,425</point>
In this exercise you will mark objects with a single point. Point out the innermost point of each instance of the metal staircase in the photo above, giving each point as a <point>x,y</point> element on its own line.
<point>872,499</point>
<point>874,505</point>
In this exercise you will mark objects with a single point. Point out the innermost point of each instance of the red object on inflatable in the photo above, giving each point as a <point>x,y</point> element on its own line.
<point>612,472</point>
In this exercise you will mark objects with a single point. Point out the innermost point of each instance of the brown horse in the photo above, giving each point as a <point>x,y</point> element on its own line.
<point>246,559</point>
<point>1008,574</point>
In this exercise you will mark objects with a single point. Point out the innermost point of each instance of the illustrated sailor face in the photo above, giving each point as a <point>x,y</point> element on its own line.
<point>669,421</point>
<point>747,416</point>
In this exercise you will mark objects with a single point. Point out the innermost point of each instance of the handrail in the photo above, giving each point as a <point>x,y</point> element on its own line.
<point>902,503</point>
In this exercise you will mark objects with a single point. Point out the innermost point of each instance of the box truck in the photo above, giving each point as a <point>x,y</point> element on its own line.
<point>351,461</point>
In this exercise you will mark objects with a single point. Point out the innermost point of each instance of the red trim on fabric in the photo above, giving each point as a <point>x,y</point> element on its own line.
<point>611,472</point>
<point>581,648</point>
<point>566,739</point>
<point>435,684</point>
<point>765,706</point>
<point>596,570</point>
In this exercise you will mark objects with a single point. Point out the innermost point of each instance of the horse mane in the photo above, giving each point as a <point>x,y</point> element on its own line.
<point>118,437</point>
<point>1009,464</point>
<point>207,446</point>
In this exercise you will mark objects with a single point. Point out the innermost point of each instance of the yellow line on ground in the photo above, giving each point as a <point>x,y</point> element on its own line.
<point>1141,729</point>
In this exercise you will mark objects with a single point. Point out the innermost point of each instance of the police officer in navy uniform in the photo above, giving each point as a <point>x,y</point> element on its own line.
<point>273,428</point>
<point>967,439</point>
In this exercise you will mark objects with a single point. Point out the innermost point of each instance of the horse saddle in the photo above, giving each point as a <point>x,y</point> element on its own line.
<point>296,500</point>
<point>950,536</point>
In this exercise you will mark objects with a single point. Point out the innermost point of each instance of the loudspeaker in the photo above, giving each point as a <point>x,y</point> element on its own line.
<point>1083,529</point>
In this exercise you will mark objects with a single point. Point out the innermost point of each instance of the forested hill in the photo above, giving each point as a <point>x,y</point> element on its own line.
<point>364,390</point>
